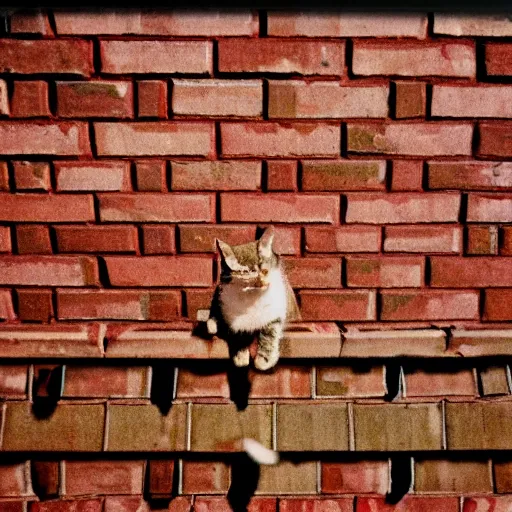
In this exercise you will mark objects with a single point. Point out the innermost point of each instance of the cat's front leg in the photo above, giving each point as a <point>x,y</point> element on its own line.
<point>268,345</point>
<point>242,357</point>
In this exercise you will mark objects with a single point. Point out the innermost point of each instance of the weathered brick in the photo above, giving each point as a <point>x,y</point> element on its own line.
<point>369,476</point>
<point>486,342</point>
<point>474,24</point>
<point>503,475</point>
<point>279,207</point>
<point>506,241</point>
<point>46,56</point>
<point>489,208</point>
<point>15,480</point>
<point>267,139</point>
<point>5,239</point>
<point>236,98</point>
<point>448,382</point>
<point>13,381</point>
<point>6,305</point>
<point>495,139</point>
<point>289,478</point>
<point>161,23</point>
<point>4,99</point>
<point>380,427</point>
<point>122,57</point>
<point>414,59</point>
<point>44,138</point>
<point>435,239</point>
<point>201,238</point>
<point>297,99</point>
<point>482,240</point>
<point>313,272</point>
<point>340,305</point>
<point>200,477</point>
<point>411,100</point>
<point>284,382</point>
<point>407,175</point>
<point>343,175</point>
<point>294,504</point>
<point>161,478</point>
<point>84,478</point>
<point>30,99</point>
<point>127,504</point>
<point>402,207</point>
<point>343,239</point>
<point>498,305</point>
<point>118,305</point>
<point>158,239</point>
<point>4,172</point>
<point>97,98</point>
<point>484,271</point>
<point>410,138</point>
<point>312,340</point>
<point>385,272</point>
<point>91,239</point>
<point>494,380</point>
<point>498,59</point>
<point>281,56</point>
<point>154,138</point>
<point>195,384</point>
<point>152,96</point>
<point>216,175</point>
<point>429,305</point>
<point>346,24</point>
<point>496,504</point>
<point>409,503</point>
<point>282,175</point>
<point>30,21</point>
<point>157,207</point>
<point>287,240</point>
<point>85,176</point>
<point>348,381</point>
<point>31,175</point>
<point>481,101</point>
<point>49,270</point>
<point>33,239</point>
<point>35,305</point>
<point>151,176</point>
<point>197,299</point>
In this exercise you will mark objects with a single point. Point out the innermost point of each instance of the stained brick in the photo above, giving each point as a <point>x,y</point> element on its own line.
<point>33,239</point>
<point>498,305</point>
<point>46,477</point>
<point>506,241</point>
<point>494,380</point>
<point>288,478</point>
<point>343,239</point>
<point>495,139</point>
<point>30,21</point>
<point>35,305</point>
<point>282,175</point>
<point>125,504</point>
<point>498,59</point>
<point>351,381</point>
<point>409,503</point>
<point>287,240</point>
<point>91,239</point>
<point>496,504</point>
<point>411,100</point>
<point>4,170</point>
<point>489,208</point>
<point>152,96</point>
<point>31,175</point>
<point>313,272</point>
<point>161,478</point>
<point>83,505</point>
<point>4,99</point>
<point>197,383</point>
<point>488,342</point>
<point>482,240</point>
<point>440,239</point>
<point>503,475</point>
<point>201,238</point>
<point>369,476</point>
<point>205,477</point>
<point>13,381</point>
<point>15,480</point>
<point>474,24</point>
<point>30,99</point>
<point>151,176</point>
<point>158,239</point>
<point>421,382</point>
<point>316,504</point>
<point>407,175</point>
<point>338,305</point>
<point>283,382</point>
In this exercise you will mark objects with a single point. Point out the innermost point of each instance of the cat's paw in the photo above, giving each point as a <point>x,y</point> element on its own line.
<point>265,363</point>
<point>211,326</point>
<point>242,358</point>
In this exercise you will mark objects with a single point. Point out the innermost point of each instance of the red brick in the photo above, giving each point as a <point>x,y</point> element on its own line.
<point>95,98</point>
<point>430,304</point>
<point>343,174</point>
<point>86,505</point>
<point>159,23</point>
<point>498,305</point>
<point>455,382</point>
<point>440,239</point>
<point>282,175</point>
<point>218,504</point>
<point>30,99</point>
<point>280,139</point>
<point>283,382</point>
<point>281,56</point>
<point>495,140</point>
<point>414,59</point>
<point>152,95</point>
<point>481,101</point>
<point>407,175</point>
<point>159,271</point>
<point>472,24</point>
<point>197,299</point>
<point>46,56</point>
<point>5,239</point>
<point>409,504</point>
<point>158,239</point>
<point>482,240</point>
<point>4,99</point>
<point>235,98</point>
<point>313,272</point>
<point>411,100</point>
<point>122,57</point>
<point>343,239</point>
<point>503,475</point>
<point>351,381</point>
<point>489,208</point>
<point>402,207</point>
<point>15,480</point>
<point>410,138</point>
<point>316,505</point>
<point>35,305</point>
<point>151,176</point>
<point>369,476</point>
<point>31,175</point>
<point>49,270</point>
<point>216,175</point>
<point>478,272</point>
<point>298,99</point>
<point>13,381</point>
<point>346,24</point>
<point>106,381</point>
<point>161,477</point>
<point>6,306</point>
<point>279,207</point>
<point>196,384</point>
<point>205,477</point>
<point>157,207</point>
<point>385,271</point>
<point>33,239</point>
<point>340,305</point>
<point>179,504</point>
<point>93,176</point>
<point>91,239</point>
<point>4,171</point>
<point>470,175</point>
<point>44,138</point>
<point>13,506</point>
<point>287,240</point>
<point>84,478</point>
<point>154,138</point>
<point>201,238</point>
<point>483,503</point>
<point>118,305</point>
<point>46,208</point>
<point>506,242</point>
<point>128,504</point>
<point>30,21</point>
<point>498,59</point>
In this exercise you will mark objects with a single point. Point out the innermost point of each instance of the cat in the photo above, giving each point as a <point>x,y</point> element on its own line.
<point>253,297</point>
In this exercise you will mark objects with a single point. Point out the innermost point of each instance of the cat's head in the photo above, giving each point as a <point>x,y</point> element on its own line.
<point>249,265</point>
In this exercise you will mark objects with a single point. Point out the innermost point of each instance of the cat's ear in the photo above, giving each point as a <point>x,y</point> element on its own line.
<point>265,242</point>
<point>226,253</point>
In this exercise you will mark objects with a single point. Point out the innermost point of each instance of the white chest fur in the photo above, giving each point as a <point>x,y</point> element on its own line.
<point>251,310</point>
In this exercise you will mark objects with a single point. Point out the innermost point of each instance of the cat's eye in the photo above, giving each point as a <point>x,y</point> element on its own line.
<point>264,271</point>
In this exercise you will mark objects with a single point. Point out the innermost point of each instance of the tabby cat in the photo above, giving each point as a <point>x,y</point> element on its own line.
<point>253,297</point>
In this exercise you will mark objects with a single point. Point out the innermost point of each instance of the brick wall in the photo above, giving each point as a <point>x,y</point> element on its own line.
<point>379,146</point>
